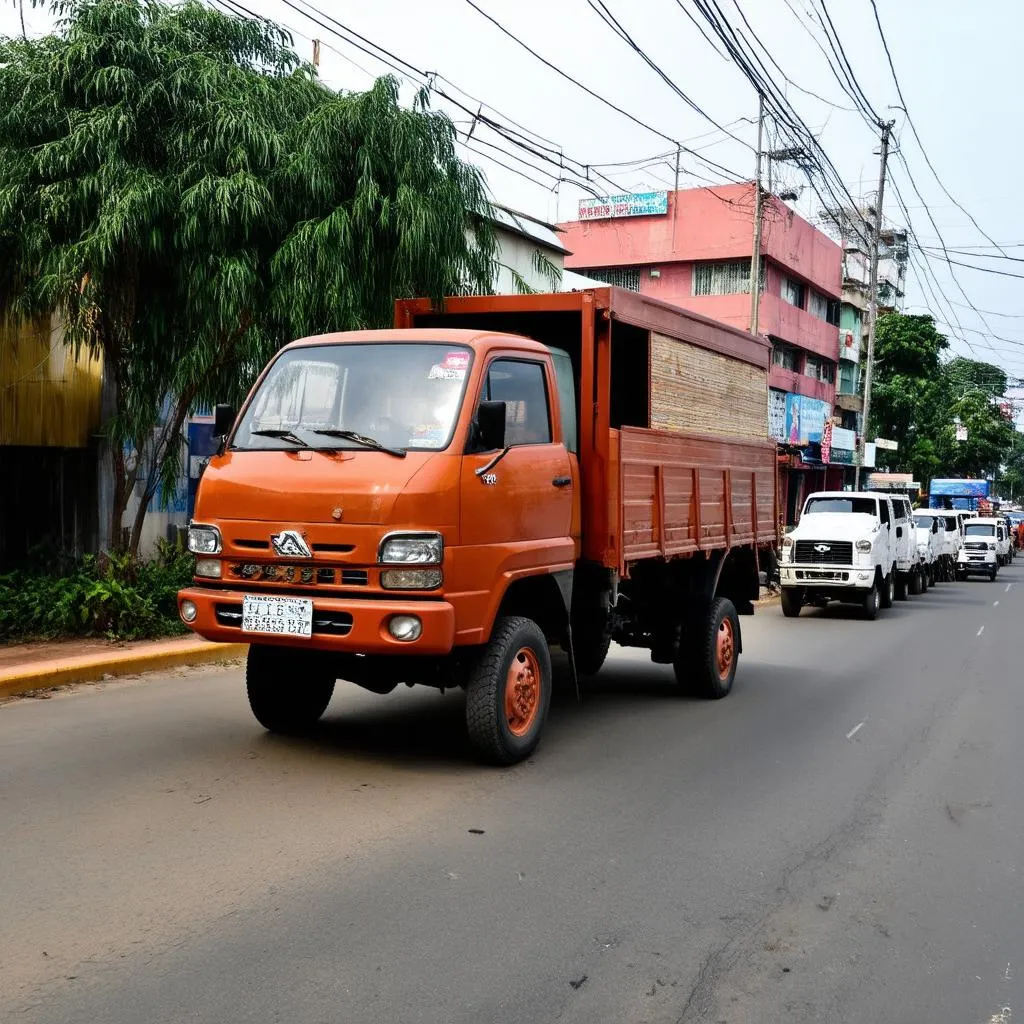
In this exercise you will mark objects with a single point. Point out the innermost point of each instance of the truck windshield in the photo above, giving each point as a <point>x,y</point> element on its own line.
<point>979,530</point>
<point>862,506</point>
<point>924,522</point>
<point>400,396</point>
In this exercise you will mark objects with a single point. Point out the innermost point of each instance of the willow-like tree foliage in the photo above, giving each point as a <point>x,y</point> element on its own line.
<point>182,188</point>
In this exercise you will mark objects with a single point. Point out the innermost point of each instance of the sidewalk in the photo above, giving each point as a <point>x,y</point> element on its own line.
<point>39,666</point>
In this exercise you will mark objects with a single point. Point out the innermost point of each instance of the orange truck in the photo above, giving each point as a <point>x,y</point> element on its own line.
<point>440,503</point>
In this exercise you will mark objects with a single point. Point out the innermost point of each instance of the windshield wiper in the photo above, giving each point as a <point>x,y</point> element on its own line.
<point>368,442</point>
<point>284,435</point>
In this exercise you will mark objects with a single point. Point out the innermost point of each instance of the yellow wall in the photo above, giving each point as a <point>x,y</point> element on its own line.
<point>49,396</point>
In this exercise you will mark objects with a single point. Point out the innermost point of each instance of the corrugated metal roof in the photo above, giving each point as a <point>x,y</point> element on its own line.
<point>536,230</point>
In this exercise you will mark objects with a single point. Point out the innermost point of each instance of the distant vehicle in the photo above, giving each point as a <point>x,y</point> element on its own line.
<point>932,547</point>
<point>954,540</point>
<point>980,553</point>
<point>959,494</point>
<point>843,549</point>
<point>910,575</point>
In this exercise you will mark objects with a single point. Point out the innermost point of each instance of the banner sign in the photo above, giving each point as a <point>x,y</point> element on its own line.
<point>805,419</point>
<point>635,204</point>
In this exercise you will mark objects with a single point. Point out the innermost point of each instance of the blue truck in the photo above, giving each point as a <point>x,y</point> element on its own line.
<point>959,494</point>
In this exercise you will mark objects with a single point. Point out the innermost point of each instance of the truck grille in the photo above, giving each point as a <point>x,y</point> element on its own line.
<point>306,575</point>
<point>840,552</point>
<point>976,545</point>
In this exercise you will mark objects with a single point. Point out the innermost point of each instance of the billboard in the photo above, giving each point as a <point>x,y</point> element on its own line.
<point>805,419</point>
<point>629,204</point>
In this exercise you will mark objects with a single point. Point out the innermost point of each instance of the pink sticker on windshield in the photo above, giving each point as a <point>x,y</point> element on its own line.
<point>456,361</point>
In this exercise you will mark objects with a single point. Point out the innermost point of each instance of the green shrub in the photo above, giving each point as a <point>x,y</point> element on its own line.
<point>113,596</point>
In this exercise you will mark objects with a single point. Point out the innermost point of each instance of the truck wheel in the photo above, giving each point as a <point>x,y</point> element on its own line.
<point>871,602</point>
<point>901,588</point>
<point>509,691</point>
<point>284,695</point>
<point>924,581</point>
<point>792,601</point>
<point>888,594</point>
<point>992,573</point>
<point>590,642</point>
<point>916,583</point>
<point>706,663</point>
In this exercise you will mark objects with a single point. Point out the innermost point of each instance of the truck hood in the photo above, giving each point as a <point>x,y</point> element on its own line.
<point>306,486</point>
<point>835,526</point>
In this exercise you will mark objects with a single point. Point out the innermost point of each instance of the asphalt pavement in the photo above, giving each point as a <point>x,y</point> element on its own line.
<point>842,839</point>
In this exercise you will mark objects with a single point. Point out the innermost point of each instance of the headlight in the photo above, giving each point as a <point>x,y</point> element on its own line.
<point>787,542</point>
<point>417,548</point>
<point>864,546</point>
<point>991,547</point>
<point>410,579</point>
<point>204,540</point>
<point>209,568</point>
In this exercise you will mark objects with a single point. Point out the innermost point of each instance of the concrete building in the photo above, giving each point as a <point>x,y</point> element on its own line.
<point>530,255</point>
<point>693,248</point>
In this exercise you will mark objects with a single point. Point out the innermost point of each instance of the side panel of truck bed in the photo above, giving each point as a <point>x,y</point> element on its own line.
<point>677,494</point>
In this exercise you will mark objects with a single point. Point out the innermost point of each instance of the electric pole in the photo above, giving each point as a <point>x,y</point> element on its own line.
<point>873,298</point>
<point>755,256</point>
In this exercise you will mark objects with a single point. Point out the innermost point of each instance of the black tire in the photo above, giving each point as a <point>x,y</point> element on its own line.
<point>710,651</point>
<point>888,593</point>
<point>287,691</point>
<point>960,576</point>
<point>792,601</point>
<point>924,581</point>
<point>901,588</point>
<point>508,692</point>
<point>993,573</point>
<point>591,640</point>
<point>915,583</point>
<point>872,601</point>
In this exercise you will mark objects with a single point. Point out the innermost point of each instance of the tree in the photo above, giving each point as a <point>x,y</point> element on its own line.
<point>909,392</point>
<point>178,184</point>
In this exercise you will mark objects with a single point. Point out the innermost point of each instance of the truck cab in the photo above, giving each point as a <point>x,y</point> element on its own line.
<point>844,548</point>
<point>910,574</point>
<point>980,554</point>
<point>930,542</point>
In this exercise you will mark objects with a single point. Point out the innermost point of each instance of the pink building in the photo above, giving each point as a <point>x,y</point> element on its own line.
<point>696,254</point>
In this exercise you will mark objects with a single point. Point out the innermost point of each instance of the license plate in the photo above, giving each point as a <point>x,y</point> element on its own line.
<point>279,616</point>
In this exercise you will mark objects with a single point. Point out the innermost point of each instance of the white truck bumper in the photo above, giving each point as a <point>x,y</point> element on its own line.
<point>826,577</point>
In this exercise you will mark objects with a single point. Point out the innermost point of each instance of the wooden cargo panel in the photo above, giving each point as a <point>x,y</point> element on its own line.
<point>699,391</point>
<point>676,494</point>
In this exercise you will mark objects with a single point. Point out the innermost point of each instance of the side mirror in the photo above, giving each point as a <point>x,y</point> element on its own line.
<point>899,531</point>
<point>490,426</point>
<point>223,420</point>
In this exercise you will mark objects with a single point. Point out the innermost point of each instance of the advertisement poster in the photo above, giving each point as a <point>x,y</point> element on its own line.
<point>636,204</point>
<point>805,419</point>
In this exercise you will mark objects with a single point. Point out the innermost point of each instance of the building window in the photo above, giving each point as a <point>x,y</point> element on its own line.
<point>793,292</point>
<point>819,369</point>
<point>731,278</point>
<point>617,277</point>
<point>785,356</point>
<point>822,307</point>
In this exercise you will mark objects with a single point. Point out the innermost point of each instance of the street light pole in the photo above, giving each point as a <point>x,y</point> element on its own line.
<point>755,256</point>
<point>873,299</point>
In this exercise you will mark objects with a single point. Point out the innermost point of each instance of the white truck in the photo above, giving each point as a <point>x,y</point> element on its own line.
<point>910,576</point>
<point>843,549</point>
<point>952,543</point>
<point>930,543</point>
<point>980,553</point>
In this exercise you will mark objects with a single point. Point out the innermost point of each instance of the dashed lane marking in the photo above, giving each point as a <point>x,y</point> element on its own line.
<point>980,631</point>
<point>856,729</point>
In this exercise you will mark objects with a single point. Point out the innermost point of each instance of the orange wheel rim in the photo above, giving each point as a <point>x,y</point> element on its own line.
<point>725,648</point>
<point>522,692</point>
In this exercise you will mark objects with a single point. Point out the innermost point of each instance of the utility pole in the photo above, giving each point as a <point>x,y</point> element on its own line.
<point>755,256</point>
<point>675,200</point>
<point>873,298</point>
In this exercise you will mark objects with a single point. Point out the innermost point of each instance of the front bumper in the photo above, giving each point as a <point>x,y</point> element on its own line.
<point>350,625</point>
<point>839,577</point>
<point>976,563</point>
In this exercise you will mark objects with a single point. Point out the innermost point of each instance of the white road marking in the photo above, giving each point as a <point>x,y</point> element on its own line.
<point>980,631</point>
<point>856,729</point>
<point>1009,971</point>
<point>995,604</point>
<point>1008,585</point>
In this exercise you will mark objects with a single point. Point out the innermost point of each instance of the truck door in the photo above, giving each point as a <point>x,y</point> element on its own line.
<point>885,517</point>
<point>527,496</point>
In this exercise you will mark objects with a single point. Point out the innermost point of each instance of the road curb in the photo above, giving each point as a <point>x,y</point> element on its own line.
<point>92,668</point>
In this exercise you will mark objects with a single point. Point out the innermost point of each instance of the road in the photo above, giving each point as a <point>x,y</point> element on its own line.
<point>840,840</point>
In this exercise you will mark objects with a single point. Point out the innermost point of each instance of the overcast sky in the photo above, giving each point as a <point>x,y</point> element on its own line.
<point>959,65</point>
